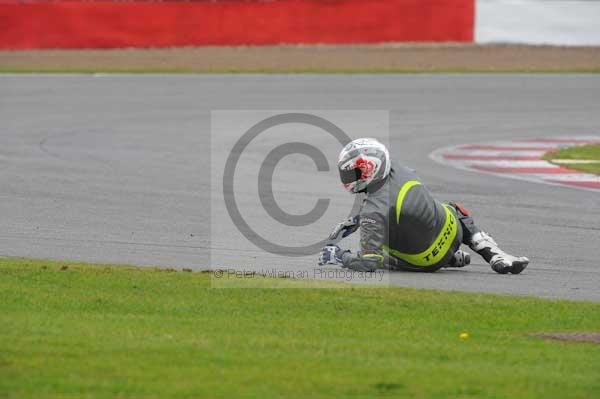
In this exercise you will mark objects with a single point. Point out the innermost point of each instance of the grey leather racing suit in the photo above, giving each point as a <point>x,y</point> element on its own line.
<point>403,227</point>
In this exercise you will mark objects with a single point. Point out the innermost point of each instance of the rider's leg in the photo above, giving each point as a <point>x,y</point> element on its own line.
<point>484,245</point>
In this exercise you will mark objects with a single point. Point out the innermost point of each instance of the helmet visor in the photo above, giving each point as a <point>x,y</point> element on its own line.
<point>350,176</point>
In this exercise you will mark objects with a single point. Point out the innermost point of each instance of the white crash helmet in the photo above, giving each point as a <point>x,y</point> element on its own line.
<point>363,162</point>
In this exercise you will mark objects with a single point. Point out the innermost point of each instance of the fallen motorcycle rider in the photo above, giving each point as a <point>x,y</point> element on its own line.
<point>402,227</point>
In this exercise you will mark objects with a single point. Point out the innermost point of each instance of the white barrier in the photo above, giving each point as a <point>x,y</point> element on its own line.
<point>558,22</point>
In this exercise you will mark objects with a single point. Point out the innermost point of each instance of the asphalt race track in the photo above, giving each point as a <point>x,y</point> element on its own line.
<point>117,168</point>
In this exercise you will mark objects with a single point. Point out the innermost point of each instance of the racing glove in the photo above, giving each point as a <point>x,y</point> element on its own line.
<point>345,228</point>
<point>331,255</point>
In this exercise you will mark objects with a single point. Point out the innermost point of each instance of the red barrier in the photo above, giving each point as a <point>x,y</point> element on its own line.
<point>85,24</point>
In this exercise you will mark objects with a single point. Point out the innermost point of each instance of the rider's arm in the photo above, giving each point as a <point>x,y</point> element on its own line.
<point>372,238</point>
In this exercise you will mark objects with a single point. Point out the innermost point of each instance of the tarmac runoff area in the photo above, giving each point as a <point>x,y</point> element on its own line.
<point>129,169</point>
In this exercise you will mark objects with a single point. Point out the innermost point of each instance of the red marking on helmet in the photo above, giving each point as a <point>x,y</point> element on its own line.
<point>366,168</point>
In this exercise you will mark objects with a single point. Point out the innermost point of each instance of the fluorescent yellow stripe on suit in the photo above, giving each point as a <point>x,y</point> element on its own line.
<point>436,252</point>
<point>380,257</point>
<point>440,246</point>
<point>400,199</point>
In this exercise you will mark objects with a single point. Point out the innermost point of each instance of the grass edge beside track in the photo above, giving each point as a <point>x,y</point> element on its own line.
<point>581,152</point>
<point>75,329</point>
<point>141,70</point>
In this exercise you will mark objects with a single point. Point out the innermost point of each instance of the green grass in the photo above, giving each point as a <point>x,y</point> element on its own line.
<point>108,331</point>
<point>150,70</point>
<point>587,152</point>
